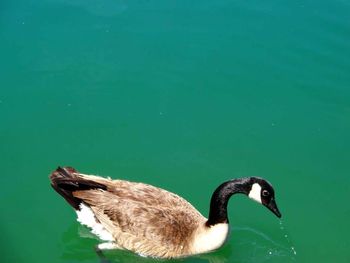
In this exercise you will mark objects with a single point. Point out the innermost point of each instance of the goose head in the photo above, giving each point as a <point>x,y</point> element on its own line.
<point>256,188</point>
<point>262,192</point>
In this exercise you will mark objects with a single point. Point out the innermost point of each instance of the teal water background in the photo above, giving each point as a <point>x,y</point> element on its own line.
<point>183,95</point>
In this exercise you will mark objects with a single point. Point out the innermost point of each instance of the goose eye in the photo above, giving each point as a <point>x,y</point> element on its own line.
<point>265,193</point>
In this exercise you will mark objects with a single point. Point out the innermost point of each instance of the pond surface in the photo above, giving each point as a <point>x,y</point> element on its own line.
<point>183,95</point>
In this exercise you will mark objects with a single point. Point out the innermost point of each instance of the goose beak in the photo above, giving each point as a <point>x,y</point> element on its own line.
<point>272,206</point>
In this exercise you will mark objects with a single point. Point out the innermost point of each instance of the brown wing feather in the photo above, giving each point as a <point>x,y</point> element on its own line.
<point>140,192</point>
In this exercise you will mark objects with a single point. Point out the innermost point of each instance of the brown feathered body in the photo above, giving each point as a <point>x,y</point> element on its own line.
<point>139,217</point>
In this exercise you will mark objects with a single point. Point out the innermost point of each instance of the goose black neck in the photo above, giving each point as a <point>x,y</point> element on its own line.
<point>220,197</point>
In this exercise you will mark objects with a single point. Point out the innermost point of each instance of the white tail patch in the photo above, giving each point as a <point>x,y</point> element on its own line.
<point>255,193</point>
<point>210,238</point>
<point>86,217</point>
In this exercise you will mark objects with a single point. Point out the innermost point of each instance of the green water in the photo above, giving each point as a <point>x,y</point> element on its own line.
<point>183,95</point>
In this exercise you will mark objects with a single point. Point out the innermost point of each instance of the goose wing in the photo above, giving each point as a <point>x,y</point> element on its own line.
<point>143,193</point>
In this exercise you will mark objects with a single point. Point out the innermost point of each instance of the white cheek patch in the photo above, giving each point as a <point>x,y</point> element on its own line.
<point>255,193</point>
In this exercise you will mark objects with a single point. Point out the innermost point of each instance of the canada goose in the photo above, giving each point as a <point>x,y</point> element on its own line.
<point>151,221</point>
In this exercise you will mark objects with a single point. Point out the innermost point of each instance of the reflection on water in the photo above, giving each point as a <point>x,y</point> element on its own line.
<point>256,246</point>
<point>252,245</point>
<point>77,248</point>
